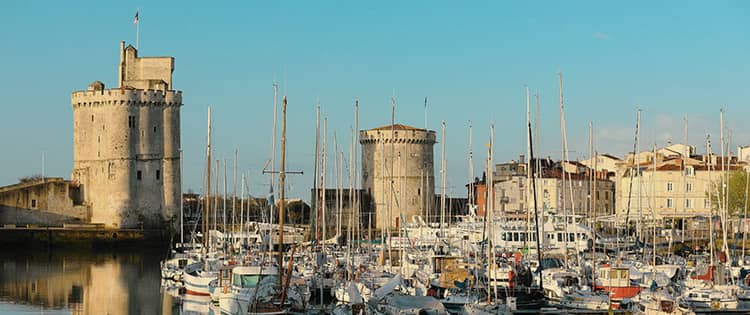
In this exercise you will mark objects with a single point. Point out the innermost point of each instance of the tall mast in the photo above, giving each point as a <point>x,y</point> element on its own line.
<point>207,199</point>
<point>224,211</point>
<point>337,183</point>
<point>273,146</point>
<point>639,224</point>
<point>242,206</point>
<point>489,221</point>
<point>282,178</point>
<point>234,192</point>
<point>355,184</point>
<point>528,168</point>
<point>710,200</point>
<point>442,194</point>
<point>314,218</point>
<point>216,196</point>
<point>182,214</point>
<point>536,214</point>
<point>562,168</point>
<point>355,169</point>
<point>390,203</point>
<point>324,172</point>
<point>724,184</point>
<point>653,213</point>
<point>592,192</point>
<point>686,156</point>
<point>471,169</point>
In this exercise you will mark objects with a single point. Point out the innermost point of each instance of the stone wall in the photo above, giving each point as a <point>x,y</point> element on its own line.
<point>47,202</point>
<point>398,172</point>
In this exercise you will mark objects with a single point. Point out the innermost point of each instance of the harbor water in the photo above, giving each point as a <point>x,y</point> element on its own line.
<point>83,281</point>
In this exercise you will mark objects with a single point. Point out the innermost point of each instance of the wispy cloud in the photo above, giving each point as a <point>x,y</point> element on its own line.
<point>601,36</point>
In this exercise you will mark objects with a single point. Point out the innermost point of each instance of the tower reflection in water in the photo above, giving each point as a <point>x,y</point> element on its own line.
<point>84,281</point>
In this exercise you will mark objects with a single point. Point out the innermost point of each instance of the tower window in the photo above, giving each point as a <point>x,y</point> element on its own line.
<point>92,117</point>
<point>158,174</point>
<point>154,129</point>
<point>138,175</point>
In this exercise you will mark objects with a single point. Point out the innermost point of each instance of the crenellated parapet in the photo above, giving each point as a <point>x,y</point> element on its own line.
<point>126,97</point>
<point>413,136</point>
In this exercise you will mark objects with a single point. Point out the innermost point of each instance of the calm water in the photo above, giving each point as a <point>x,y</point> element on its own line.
<point>69,281</point>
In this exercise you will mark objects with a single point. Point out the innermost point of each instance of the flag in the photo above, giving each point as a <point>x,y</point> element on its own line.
<point>135,19</point>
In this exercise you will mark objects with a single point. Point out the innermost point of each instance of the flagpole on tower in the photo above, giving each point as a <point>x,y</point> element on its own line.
<point>137,28</point>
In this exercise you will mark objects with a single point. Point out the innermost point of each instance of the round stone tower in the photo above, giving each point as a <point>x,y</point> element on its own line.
<point>398,172</point>
<point>126,144</point>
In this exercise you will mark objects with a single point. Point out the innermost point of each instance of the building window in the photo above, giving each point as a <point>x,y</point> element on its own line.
<point>669,186</point>
<point>138,175</point>
<point>688,187</point>
<point>689,171</point>
<point>33,203</point>
<point>669,203</point>
<point>689,203</point>
<point>419,191</point>
<point>92,117</point>
<point>706,204</point>
<point>158,174</point>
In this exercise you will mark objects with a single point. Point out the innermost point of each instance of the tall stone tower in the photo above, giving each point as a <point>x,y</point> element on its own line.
<point>126,144</point>
<point>398,172</point>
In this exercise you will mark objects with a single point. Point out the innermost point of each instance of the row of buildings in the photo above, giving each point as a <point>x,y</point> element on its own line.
<point>671,183</point>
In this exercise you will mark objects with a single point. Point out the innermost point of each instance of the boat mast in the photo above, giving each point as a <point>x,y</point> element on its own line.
<point>282,177</point>
<point>182,214</point>
<point>315,200</point>
<point>357,210</point>
<point>390,203</point>
<point>207,198</point>
<point>216,196</point>
<point>723,192</point>
<point>224,217</point>
<point>592,160</point>
<point>653,215</point>
<point>442,175</point>
<point>710,200</point>
<point>562,173</point>
<point>337,183</point>
<point>528,170</point>
<point>273,148</point>
<point>536,215</point>
<point>639,223</point>
<point>593,259</point>
<point>489,212</point>
<point>324,172</point>
<point>234,195</point>
<point>471,169</point>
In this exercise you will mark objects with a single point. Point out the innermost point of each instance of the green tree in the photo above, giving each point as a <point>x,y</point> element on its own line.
<point>736,192</point>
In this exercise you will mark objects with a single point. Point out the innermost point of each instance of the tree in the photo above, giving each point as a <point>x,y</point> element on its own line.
<point>736,192</point>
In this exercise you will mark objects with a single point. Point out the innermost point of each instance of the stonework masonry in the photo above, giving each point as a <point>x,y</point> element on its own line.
<point>45,201</point>
<point>396,185</point>
<point>126,144</point>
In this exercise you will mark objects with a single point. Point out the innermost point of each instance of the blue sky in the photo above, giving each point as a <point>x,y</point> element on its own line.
<point>671,58</point>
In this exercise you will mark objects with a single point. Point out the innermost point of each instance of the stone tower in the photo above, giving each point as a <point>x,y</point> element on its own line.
<point>406,184</point>
<point>126,144</point>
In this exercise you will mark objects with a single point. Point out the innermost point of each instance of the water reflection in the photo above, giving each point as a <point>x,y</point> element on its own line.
<point>83,282</point>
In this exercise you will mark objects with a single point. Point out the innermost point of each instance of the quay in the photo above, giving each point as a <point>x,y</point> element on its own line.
<point>81,235</point>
